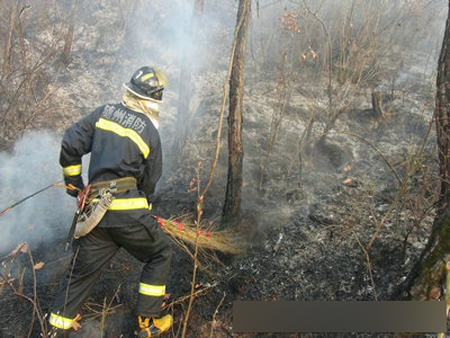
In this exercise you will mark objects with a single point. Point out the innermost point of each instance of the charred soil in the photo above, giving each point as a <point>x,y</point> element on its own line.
<point>335,230</point>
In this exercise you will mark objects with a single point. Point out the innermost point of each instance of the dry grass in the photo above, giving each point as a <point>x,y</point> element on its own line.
<point>186,235</point>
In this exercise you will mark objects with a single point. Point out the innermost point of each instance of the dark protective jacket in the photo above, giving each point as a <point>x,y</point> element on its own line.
<point>122,143</point>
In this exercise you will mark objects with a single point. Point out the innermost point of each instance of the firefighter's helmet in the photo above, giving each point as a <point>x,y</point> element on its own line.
<point>148,83</point>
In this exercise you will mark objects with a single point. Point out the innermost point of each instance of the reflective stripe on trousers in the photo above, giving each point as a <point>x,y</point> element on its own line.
<point>152,290</point>
<point>60,322</point>
<point>128,203</point>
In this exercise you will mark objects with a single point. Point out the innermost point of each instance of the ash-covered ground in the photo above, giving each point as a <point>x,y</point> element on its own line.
<point>345,224</point>
<point>336,216</point>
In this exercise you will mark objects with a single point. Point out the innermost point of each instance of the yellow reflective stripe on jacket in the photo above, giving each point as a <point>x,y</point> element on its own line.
<point>124,132</point>
<point>60,322</point>
<point>152,290</point>
<point>127,203</point>
<point>72,170</point>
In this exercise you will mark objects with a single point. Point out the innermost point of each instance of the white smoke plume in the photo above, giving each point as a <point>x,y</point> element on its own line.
<point>32,165</point>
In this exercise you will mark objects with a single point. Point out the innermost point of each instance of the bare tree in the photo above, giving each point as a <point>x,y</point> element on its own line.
<point>235,150</point>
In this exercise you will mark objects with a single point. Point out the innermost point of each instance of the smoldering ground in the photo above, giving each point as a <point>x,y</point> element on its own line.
<point>308,256</point>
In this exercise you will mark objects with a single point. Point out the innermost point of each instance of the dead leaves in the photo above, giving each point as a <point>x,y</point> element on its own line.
<point>192,186</point>
<point>76,325</point>
<point>347,169</point>
<point>39,266</point>
<point>290,23</point>
<point>347,181</point>
<point>22,247</point>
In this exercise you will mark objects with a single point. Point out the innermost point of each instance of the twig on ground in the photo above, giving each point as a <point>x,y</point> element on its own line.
<point>196,294</point>
<point>18,292</point>
<point>369,267</point>
<point>213,325</point>
<point>105,309</point>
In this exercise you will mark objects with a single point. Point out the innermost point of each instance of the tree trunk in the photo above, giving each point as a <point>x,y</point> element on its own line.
<point>377,105</point>
<point>425,279</point>
<point>235,150</point>
<point>67,55</point>
<point>442,117</point>
<point>183,114</point>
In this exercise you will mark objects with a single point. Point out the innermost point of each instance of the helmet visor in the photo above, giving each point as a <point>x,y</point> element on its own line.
<point>157,95</point>
<point>162,78</point>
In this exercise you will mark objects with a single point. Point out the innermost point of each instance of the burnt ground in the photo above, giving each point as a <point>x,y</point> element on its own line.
<point>308,257</point>
<point>306,220</point>
<point>305,228</point>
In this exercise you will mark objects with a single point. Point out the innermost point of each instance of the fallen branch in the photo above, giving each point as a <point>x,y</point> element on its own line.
<point>195,294</point>
<point>214,321</point>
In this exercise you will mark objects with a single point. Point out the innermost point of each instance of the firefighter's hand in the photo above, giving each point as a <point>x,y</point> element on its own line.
<point>72,191</point>
<point>74,185</point>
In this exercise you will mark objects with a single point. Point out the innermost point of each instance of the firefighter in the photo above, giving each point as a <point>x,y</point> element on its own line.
<point>126,159</point>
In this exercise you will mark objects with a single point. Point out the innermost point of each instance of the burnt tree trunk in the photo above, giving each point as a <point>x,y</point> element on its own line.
<point>377,104</point>
<point>67,54</point>
<point>233,195</point>
<point>425,279</point>
<point>442,117</point>
<point>183,113</point>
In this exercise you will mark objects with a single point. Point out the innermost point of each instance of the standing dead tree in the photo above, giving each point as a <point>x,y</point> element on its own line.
<point>235,150</point>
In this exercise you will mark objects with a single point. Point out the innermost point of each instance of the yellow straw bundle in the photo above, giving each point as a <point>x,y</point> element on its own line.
<point>184,232</point>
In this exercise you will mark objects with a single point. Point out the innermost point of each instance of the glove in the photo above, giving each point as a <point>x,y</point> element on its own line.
<point>77,182</point>
<point>72,192</point>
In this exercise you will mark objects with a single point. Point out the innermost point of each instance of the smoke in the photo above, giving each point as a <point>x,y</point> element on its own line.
<point>160,34</point>
<point>32,165</point>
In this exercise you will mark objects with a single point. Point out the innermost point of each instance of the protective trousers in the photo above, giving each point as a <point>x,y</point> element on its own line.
<point>145,240</point>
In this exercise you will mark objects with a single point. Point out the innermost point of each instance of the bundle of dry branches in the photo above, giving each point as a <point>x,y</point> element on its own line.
<point>186,233</point>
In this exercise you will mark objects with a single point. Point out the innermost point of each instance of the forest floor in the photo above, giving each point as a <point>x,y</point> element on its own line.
<point>306,232</point>
<point>341,216</point>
